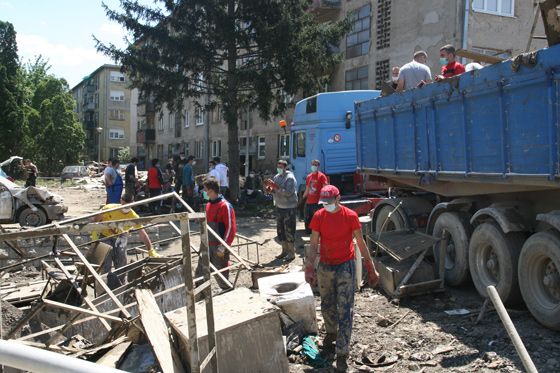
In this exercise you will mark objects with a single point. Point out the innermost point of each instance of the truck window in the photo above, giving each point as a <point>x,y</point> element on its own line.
<point>311,105</point>
<point>299,145</point>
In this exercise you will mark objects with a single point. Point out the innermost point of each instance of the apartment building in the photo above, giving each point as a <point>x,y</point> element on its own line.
<point>386,33</point>
<point>103,108</point>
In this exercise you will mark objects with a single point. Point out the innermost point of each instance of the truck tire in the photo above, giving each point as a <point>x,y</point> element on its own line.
<point>32,218</point>
<point>539,278</point>
<point>395,222</point>
<point>493,259</point>
<point>457,250</point>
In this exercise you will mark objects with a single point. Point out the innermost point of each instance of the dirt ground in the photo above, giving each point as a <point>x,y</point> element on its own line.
<point>413,334</point>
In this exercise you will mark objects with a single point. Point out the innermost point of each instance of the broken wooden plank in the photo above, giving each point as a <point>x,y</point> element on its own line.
<point>81,310</point>
<point>157,332</point>
<point>112,358</point>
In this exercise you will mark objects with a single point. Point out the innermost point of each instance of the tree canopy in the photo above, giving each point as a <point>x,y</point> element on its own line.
<point>244,54</point>
<point>37,118</point>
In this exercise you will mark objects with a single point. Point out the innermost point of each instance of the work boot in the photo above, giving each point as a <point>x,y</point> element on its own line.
<point>328,342</point>
<point>284,249</point>
<point>341,363</point>
<point>291,251</point>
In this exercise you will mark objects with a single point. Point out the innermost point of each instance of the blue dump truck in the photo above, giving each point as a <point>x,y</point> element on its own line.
<point>323,129</point>
<point>477,156</point>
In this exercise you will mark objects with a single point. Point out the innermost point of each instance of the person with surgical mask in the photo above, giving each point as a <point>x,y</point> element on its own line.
<point>315,181</point>
<point>252,189</point>
<point>283,187</point>
<point>220,217</point>
<point>117,257</point>
<point>335,227</point>
<point>395,77</point>
<point>450,67</point>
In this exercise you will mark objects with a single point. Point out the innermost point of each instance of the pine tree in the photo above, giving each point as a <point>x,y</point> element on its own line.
<point>244,54</point>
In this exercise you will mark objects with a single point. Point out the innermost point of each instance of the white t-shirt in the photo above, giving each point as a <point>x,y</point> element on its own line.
<point>216,175</point>
<point>222,168</point>
<point>112,173</point>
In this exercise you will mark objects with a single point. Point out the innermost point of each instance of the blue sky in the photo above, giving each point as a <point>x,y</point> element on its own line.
<point>61,31</point>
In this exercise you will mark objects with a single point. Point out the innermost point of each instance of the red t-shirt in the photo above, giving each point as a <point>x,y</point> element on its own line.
<point>451,69</point>
<point>315,182</point>
<point>336,234</point>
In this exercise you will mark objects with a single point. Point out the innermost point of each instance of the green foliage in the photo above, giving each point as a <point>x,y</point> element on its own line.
<point>37,119</point>
<point>245,54</point>
<point>124,154</point>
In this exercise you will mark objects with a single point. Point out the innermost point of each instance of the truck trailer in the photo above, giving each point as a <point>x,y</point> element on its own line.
<point>477,156</point>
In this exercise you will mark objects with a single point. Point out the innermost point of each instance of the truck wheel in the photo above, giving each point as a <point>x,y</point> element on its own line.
<point>32,218</point>
<point>457,250</point>
<point>493,258</point>
<point>395,222</point>
<point>539,277</point>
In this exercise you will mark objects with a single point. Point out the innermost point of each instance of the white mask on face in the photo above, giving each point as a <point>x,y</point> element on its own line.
<point>331,207</point>
<point>395,79</point>
<point>194,162</point>
<point>125,211</point>
<point>182,157</point>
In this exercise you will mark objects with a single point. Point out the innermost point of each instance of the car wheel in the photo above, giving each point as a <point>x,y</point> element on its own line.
<point>32,218</point>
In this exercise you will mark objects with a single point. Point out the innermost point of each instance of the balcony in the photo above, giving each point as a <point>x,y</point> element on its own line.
<point>146,136</point>
<point>145,108</point>
<point>90,88</point>
<point>89,106</point>
<point>90,143</point>
<point>327,10</point>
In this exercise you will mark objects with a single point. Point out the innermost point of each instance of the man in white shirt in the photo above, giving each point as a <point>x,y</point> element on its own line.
<point>223,170</point>
<point>213,172</point>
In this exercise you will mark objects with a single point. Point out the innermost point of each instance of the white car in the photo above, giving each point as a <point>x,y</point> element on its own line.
<point>29,206</point>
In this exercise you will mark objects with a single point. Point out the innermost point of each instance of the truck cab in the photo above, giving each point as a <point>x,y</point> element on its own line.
<point>324,129</point>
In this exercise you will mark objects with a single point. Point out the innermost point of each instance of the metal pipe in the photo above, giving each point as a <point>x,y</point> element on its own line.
<point>512,332</point>
<point>20,356</point>
<point>466,29</point>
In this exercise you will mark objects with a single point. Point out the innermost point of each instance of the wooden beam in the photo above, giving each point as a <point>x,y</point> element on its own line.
<point>68,307</point>
<point>157,332</point>
<point>481,57</point>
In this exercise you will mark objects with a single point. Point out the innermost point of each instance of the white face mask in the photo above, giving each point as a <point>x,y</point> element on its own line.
<point>125,211</point>
<point>182,157</point>
<point>331,207</point>
<point>395,79</point>
<point>194,162</point>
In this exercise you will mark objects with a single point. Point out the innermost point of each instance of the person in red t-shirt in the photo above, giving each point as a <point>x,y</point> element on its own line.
<point>450,66</point>
<point>155,184</point>
<point>316,180</point>
<point>336,226</point>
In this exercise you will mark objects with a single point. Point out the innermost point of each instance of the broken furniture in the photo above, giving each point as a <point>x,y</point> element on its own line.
<point>293,295</point>
<point>248,333</point>
<point>400,260</point>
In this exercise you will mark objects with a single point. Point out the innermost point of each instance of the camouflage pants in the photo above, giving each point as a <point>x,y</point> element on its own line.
<point>220,264</point>
<point>286,224</point>
<point>336,285</point>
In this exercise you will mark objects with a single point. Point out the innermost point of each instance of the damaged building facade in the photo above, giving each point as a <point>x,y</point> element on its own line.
<point>104,109</point>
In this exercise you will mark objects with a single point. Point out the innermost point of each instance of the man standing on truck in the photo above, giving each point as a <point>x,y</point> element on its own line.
<point>283,186</point>
<point>336,226</point>
<point>316,180</point>
<point>450,66</point>
<point>415,73</point>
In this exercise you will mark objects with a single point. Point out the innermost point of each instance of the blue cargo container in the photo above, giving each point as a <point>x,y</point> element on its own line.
<point>477,156</point>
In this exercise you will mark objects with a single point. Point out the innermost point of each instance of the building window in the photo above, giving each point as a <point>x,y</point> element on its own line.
<point>186,149</point>
<point>117,76</point>
<point>171,121</point>
<point>261,147</point>
<point>381,73</point>
<point>357,41</point>
<point>115,114</point>
<point>169,151</point>
<point>357,79</point>
<point>284,146</point>
<point>178,120</point>
<point>200,82</point>
<point>186,124</point>
<point>383,24</point>
<point>216,148</point>
<point>117,96</point>
<point>498,7</point>
<point>199,116</point>
<point>160,124</point>
<point>217,113</point>
<point>116,134</point>
<point>199,151</point>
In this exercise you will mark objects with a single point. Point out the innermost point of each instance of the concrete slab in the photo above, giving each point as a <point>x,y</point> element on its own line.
<point>291,293</point>
<point>248,333</point>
